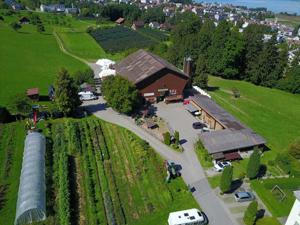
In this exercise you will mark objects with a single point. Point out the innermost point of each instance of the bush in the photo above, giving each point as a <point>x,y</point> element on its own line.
<point>236,93</point>
<point>167,138</point>
<point>250,213</point>
<point>294,149</point>
<point>253,164</point>
<point>226,179</point>
<point>176,136</point>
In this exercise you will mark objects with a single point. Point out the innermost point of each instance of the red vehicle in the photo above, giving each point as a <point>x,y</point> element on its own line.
<point>186,102</point>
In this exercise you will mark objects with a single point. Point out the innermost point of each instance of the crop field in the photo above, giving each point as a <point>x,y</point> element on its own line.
<point>96,173</point>
<point>154,34</point>
<point>30,59</point>
<point>273,201</point>
<point>119,38</point>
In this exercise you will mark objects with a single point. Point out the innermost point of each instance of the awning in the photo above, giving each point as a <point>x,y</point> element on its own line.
<point>191,108</point>
<point>218,156</point>
<point>232,156</point>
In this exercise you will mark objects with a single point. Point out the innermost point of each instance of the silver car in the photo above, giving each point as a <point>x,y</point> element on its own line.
<point>244,196</point>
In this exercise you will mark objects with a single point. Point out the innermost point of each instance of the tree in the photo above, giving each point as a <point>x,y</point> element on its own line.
<point>226,179</point>
<point>66,93</point>
<point>201,75</point>
<point>20,105</point>
<point>85,76</point>
<point>15,26</point>
<point>154,14</point>
<point>250,213</point>
<point>177,138</point>
<point>40,27</point>
<point>120,94</point>
<point>167,138</point>
<point>253,164</point>
<point>4,115</point>
<point>294,149</point>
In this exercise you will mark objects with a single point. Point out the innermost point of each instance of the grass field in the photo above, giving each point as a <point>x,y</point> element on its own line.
<point>84,46</point>
<point>29,59</point>
<point>288,20</point>
<point>272,199</point>
<point>111,175</point>
<point>11,154</point>
<point>271,113</point>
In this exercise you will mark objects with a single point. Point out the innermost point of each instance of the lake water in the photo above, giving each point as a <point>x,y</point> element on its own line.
<point>290,6</point>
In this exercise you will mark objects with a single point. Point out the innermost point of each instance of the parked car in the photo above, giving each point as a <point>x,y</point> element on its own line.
<point>87,95</point>
<point>244,196</point>
<point>198,125</point>
<point>219,167</point>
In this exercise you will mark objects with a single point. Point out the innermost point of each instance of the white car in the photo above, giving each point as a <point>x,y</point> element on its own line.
<point>86,96</point>
<point>219,167</point>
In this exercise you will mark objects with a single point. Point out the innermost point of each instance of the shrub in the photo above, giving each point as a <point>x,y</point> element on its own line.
<point>176,136</point>
<point>253,164</point>
<point>294,149</point>
<point>250,213</point>
<point>226,179</point>
<point>167,138</point>
<point>236,93</point>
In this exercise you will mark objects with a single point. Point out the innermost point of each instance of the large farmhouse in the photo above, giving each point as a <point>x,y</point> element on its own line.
<point>228,138</point>
<point>155,78</point>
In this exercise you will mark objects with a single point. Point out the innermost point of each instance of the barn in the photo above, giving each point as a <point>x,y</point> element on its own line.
<point>228,138</point>
<point>155,78</point>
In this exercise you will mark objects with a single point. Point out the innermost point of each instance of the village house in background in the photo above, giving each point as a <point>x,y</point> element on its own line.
<point>137,24</point>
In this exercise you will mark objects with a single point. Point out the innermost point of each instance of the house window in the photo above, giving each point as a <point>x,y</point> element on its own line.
<point>173,92</point>
<point>148,94</point>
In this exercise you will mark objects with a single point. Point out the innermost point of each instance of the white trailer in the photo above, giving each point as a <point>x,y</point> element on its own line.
<point>187,217</point>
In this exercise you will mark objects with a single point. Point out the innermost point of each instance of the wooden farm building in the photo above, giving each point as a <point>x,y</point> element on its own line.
<point>155,78</point>
<point>229,138</point>
<point>33,94</point>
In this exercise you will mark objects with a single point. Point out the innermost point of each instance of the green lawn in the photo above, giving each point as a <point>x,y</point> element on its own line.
<point>84,46</point>
<point>268,221</point>
<point>272,200</point>
<point>288,20</point>
<point>11,154</point>
<point>29,59</point>
<point>272,113</point>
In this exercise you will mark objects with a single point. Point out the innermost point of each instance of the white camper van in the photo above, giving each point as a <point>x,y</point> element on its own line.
<point>87,95</point>
<point>187,217</point>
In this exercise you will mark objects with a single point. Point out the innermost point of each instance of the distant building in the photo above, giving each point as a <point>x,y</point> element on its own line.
<point>154,25</point>
<point>120,21</point>
<point>155,78</point>
<point>137,24</point>
<point>71,10</point>
<point>24,20</point>
<point>53,8</point>
<point>33,94</point>
<point>294,216</point>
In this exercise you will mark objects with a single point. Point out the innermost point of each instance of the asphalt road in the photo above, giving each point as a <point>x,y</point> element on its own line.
<point>192,172</point>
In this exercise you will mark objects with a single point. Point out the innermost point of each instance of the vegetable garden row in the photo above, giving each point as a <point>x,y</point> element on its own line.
<point>120,38</point>
<point>97,174</point>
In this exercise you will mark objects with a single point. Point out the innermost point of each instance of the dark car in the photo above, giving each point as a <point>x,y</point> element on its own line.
<point>198,125</point>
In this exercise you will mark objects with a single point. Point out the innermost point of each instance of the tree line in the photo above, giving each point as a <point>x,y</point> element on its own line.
<point>224,51</point>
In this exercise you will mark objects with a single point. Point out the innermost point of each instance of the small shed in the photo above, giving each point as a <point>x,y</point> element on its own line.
<point>24,20</point>
<point>120,21</point>
<point>137,24</point>
<point>31,204</point>
<point>33,94</point>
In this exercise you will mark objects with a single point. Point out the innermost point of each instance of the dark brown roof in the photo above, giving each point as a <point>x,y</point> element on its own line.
<point>138,23</point>
<point>142,64</point>
<point>120,20</point>
<point>32,91</point>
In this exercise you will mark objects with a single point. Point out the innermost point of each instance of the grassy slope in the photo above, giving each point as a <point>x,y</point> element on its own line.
<point>29,59</point>
<point>288,20</point>
<point>84,46</point>
<point>272,113</point>
<point>7,213</point>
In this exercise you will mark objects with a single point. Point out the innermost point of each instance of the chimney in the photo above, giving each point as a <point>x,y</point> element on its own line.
<point>187,65</point>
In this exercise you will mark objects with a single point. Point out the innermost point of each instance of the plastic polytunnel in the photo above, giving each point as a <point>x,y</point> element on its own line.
<point>31,204</point>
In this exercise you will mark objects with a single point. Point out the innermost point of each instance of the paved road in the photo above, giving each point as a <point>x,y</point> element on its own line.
<point>192,172</point>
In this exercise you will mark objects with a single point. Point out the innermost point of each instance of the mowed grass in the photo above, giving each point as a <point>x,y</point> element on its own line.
<point>29,59</point>
<point>84,46</point>
<point>273,200</point>
<point>272,113</point>
<point>11,154</point>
